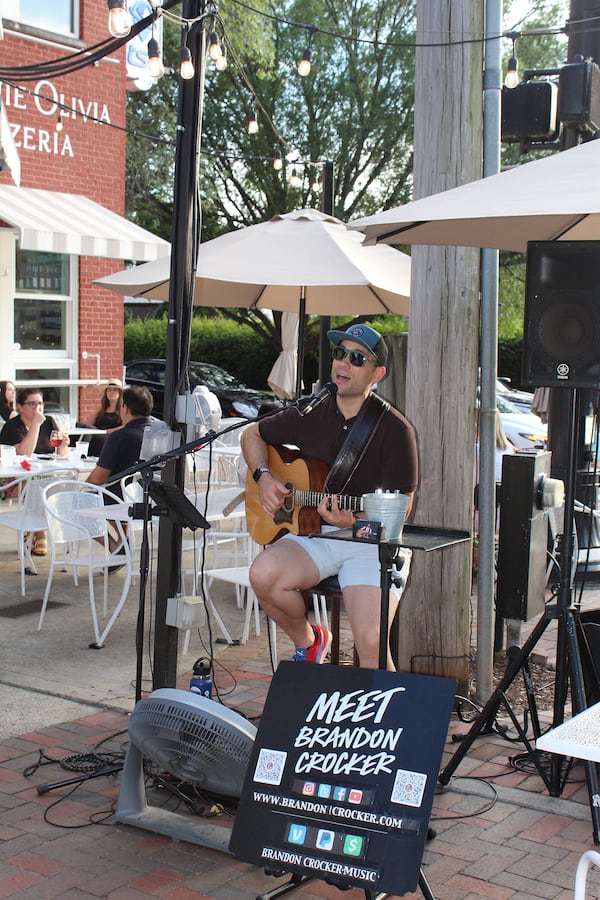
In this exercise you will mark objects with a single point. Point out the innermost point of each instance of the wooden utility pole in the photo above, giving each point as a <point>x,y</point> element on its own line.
<point>444,337</point>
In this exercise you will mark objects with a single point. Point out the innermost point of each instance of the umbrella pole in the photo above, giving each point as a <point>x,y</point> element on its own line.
<point>301,328</point>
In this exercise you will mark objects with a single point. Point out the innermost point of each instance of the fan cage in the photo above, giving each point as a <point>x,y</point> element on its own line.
<point>194,738</point>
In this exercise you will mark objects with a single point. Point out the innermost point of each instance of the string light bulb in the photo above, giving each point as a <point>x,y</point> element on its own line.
<point>295,180</point>
<point>221,62</point>
<point>214,47</point>
<point>316,183</point>
<point>186,66</point>
<point>155,65</point>
<point>59,123</point>
<point>252,123</point>
<point>512,75</point>
<point>119,18</point>
<point>304,64</point>
<point>277,161</point>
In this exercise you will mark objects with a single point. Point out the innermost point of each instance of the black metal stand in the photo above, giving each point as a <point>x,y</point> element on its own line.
<point>568,662</point>
<point>414,537</point>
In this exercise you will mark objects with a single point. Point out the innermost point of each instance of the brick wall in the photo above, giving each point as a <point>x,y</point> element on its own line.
<point>87,157</point>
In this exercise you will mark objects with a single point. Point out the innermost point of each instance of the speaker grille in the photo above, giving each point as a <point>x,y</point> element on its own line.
<point>562,314</point>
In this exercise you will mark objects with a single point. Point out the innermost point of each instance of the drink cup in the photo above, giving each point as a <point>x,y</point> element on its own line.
<point>82,448</point>
<point>8,455</point>
<point>389,508</point>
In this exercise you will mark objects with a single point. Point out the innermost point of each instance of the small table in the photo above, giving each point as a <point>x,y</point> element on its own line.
<point>578,737</point>
<point>414,537</point>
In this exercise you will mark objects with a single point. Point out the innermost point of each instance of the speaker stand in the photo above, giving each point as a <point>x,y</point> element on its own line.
<point>568,661</point>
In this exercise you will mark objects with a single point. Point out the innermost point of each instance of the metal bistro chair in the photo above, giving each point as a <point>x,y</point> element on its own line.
<point>78,516</point>
<point>28,514</point>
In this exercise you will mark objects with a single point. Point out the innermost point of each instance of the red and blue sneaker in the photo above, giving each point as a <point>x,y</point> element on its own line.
<point>319,648</point>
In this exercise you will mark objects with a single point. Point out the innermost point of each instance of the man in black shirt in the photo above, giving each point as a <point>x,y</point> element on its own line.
<point>295,563</point>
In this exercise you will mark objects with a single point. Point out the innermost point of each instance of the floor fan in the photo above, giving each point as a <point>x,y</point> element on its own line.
<point>192,738</point>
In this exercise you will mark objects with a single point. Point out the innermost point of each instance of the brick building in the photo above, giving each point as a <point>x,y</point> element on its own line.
<point>62,226</point>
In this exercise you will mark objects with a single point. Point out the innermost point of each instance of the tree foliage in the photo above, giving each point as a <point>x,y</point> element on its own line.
<point>355,108</point>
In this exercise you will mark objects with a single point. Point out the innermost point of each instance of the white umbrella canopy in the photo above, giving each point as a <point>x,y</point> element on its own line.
<point>267,266</point>
<point>554,198</point>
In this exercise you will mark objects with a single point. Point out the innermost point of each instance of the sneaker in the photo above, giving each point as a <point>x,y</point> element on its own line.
<point>319,648</point>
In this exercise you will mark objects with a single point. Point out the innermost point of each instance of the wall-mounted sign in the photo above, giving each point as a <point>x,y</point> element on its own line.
<point>342,776</point>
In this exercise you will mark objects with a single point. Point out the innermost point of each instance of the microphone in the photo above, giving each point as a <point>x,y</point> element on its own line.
<point>329,390</point>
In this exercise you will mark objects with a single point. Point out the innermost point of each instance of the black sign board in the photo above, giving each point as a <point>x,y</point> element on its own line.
<point>342,776</point>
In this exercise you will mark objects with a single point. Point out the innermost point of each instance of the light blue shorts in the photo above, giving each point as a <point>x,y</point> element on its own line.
<point>353,563</point>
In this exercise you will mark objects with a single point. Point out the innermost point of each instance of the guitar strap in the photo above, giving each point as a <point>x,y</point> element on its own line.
<point>355,446</point>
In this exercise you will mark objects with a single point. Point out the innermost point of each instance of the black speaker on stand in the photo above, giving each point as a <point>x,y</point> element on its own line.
<point>561,334</point>
<point>561,349</point>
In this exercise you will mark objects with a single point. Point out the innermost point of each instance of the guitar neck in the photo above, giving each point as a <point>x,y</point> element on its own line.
<point>313,498</point>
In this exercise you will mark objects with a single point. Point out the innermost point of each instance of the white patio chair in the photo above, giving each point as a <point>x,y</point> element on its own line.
<point>78,515</point>
<point>28,514</point>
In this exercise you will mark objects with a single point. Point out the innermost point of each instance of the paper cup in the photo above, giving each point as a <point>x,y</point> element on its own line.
<point>82,448</point>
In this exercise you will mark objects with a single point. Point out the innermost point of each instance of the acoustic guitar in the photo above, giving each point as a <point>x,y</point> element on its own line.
<point>305,479</point>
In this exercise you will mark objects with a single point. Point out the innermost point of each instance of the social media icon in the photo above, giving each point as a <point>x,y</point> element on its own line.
<point>353,845</point>
<point>324,790</point>
<point>297,834</point>
<point>309,788</point>
<point>355,796</point>
<point>339,793</point>
<point>325,839</point>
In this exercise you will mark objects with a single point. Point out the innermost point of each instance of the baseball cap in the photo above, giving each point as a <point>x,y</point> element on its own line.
<point>364,335</point>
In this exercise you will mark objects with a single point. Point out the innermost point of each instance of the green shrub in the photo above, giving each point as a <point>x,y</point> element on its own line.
<point>222,342</point>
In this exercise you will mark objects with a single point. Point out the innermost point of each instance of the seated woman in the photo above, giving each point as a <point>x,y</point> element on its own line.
<point>29,432</point>
<point>7,400</point>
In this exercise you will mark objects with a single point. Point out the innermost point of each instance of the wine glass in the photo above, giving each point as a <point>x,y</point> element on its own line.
<point>56,440</point>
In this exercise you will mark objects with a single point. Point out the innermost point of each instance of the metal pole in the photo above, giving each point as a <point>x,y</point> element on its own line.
<point>327,207</point>
<point>185,237</point>
<point>489,364</point>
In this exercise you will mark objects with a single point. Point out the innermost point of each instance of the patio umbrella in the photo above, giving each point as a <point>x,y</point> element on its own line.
<point>305,262</point>
<point>554,198</point>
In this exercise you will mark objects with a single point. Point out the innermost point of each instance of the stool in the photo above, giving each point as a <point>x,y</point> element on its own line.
<point>327,593</point>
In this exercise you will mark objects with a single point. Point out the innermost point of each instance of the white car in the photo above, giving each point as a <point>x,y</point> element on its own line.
<point>521,399</point>
<point>525,430</point>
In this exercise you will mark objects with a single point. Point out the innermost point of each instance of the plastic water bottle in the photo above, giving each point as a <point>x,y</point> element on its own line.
<point>201,682</point>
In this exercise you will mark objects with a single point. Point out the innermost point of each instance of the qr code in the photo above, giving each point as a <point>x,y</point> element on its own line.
<point>269,766</point>
<point>409,787</point>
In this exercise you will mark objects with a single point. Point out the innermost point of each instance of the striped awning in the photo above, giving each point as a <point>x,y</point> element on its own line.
<point>71,223</point>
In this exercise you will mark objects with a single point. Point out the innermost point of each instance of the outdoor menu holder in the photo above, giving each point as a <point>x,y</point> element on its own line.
<point>343,771</point>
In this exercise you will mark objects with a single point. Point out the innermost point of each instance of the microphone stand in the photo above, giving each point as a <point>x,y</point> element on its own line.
<point>146,469</point>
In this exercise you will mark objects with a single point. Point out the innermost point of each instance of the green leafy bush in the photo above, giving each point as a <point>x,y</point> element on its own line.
<point>236,348</point>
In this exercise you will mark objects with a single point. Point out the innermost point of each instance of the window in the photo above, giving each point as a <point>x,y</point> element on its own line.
<point>58,16</point>
<point>43,300</point>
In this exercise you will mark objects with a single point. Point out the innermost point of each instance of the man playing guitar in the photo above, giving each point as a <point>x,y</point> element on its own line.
<point>296,562</point>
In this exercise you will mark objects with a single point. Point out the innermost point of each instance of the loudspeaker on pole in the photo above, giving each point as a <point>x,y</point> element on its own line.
<point>561,346</point>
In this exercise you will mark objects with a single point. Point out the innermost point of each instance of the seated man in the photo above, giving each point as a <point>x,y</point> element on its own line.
<point>122,447</point>
<point>388,461</point>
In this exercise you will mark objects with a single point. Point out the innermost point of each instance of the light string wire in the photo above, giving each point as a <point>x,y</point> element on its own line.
<point>89,56</point>
<point>82,58</point>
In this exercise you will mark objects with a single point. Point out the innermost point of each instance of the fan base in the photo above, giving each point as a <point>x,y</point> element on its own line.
<point>178,827</point>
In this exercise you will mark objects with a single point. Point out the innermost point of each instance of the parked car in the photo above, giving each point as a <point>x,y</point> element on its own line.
<point>235,398</point>
<point>523,429</point>
<point>521,399</point>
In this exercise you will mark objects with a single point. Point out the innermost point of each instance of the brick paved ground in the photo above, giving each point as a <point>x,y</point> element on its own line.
<point>499,834</point>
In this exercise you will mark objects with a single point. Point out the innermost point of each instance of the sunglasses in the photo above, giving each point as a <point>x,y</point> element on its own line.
<point>355,356</point>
